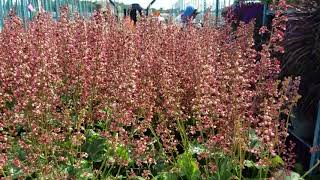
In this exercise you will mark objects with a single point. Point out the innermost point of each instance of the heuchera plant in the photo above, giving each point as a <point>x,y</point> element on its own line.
<point>88,99</point>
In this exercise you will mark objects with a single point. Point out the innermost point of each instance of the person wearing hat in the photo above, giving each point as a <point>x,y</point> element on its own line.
<point>188,15</point>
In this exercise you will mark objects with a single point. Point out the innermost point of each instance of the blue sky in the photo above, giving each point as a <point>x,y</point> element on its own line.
<point>166,4</point>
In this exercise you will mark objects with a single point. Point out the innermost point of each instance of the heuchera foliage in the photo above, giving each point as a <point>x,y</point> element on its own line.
<point>151,93</point>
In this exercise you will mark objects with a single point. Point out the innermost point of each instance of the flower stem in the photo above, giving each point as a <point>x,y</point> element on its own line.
<point>183,135</point>
<point>3,173</point>
<point>311,169</point>
<point>102,165</point>
<point>158,140</point>
<point>109,170</point>
<point>118,171</point>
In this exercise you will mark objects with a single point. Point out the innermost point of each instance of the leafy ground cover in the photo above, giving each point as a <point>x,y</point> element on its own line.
<point>92,99</point>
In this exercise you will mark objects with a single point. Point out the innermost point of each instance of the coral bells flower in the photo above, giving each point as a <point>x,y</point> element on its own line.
<point>263,30</point>
<point>155,91</point>
<point>146,174</point>
<point>3,160</point>
<point>78,139</point>
<point>16,162</point>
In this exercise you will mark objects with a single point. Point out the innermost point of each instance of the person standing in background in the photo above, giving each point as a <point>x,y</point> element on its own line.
<point>187,17</point>
<point>133,12</point>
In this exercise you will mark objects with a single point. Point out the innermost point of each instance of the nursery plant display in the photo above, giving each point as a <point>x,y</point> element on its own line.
<point>91,99</point>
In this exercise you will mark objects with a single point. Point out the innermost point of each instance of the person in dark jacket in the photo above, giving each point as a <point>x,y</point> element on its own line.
<point>133,12</point>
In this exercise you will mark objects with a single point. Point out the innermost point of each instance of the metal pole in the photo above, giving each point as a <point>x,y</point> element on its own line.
<point>316,141</point>
<point>1,14</point>
<point>85,8</point>
<point>44,5</point>
<point>183,5</point>
<point>79,8</point>
<point>217,11</point>
<point>89,4</point>
<point>23,7</point>
<point>7,6</point>
<point>72,6</point>
<point>265,6</point>
<point>39,4</point>
<point>57,9</point>
<point>29,12</point>
<point>50,6</point>
<point>47,3</point>
<point>14,7</point>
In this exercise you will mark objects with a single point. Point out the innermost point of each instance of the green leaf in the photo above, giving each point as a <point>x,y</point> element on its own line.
<point>15,172</point>
<point>291,176</point>
<point>101,124</point>
<point>254,141</point>
<point>299,168</point>
<point>21,154</point>
<point>54,122</point>
<point>82,172</point>
<point>85,171</point>
<point>225,168</point>
<point>85,164</point>
<point>139,178</point>
<point>123,152</point>
<point>107,110</point>
<point>188,166</point>
<point>196,148</point>
<point>71,170</point>
<point>294,176</point>
<point>249,163</point>
<point>95,146</point>
<point>277,161</point>
<point>166,176</point>
<point>10,104</point>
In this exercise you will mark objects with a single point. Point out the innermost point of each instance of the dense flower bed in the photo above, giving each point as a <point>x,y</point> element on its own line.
<point>93,99</point>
